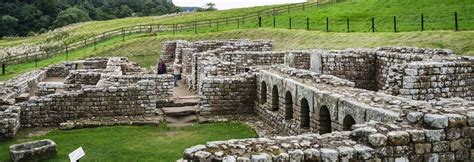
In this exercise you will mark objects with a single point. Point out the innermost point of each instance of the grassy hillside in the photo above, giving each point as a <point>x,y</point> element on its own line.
<point>77,31</point>
<point>145,50</point>
<point>438,15</point>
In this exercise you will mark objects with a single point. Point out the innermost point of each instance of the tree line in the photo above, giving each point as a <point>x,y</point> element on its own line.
<point>30,17</point>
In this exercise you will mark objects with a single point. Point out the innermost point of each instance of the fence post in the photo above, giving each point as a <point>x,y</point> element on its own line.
<point>95,42</point>
<point>195,27</point>
<point>36,60</point>
<point>289,23</point>
<point>274,22</point>
<point>174,29</point>
<point>238,23</point>
<point>347,22</point>
<point>373,24</point>
<point>259,22</point>
<point>217,25</point>
<point>422,23</point>
<point>3,68</point>
<point>307,23</point>
<point>394,24</point>
<point>227,21</point>
<point>456,21</point>
<point>85,42</point>
<point>327,24</point>
<point>123,34</point>
<point>67,52</point>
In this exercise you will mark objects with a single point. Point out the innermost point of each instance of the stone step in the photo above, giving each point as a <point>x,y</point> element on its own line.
<point>181,121</point>
<point>180,111</point>
<point>184,101</point>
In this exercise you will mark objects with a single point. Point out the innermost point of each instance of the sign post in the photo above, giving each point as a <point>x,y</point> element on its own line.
<point>76,155</point>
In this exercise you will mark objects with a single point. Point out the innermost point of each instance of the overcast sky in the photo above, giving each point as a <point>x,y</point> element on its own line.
<point>227,4</point>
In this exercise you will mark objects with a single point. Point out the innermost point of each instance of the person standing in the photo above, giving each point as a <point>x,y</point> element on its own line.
<point>162,67</point>
<point>176,72</point>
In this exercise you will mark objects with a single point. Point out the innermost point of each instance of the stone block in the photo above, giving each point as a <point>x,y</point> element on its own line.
<point>397,138</point>
<point>436,121</point>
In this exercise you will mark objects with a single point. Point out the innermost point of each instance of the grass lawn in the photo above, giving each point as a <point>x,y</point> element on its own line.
<point>145,50</point>
<point>438,15</point>
<point>135,143</point>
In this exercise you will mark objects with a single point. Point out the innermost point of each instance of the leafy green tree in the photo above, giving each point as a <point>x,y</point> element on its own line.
<point>7,25</point>
<point>125,11</point>
<point>28,16</point>
<point>70,16</point>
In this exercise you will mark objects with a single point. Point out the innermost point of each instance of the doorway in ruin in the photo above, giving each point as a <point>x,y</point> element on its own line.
<point>324,120</point>
<point>288,106</point>
<point>305,121</point>
<point>275,98</point>
<point>348,122</point>
<point>263,93</point>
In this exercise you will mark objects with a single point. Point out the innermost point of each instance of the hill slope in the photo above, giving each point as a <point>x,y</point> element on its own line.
<point>146,50</point>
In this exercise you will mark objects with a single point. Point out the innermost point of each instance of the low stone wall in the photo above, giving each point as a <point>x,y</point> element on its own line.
<point>164,83</point>
<point>431,80</point>
<point>253,58</point>
<point>33,151</point>
<point>227,95</point>
<point>79,78</point>
<point>60,70</point>
<point>357,66</point>
<point>9,121</point>
<point>51,110</point>
<point>371,141</point>
<point>46,88</point>
<point>168,51</point>
<point>298,59</point>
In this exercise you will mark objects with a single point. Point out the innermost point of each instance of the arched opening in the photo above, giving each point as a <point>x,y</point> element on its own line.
<point>324,120</point>
<point>305,122</point>
<point>275,98</point>
<point>348,122</point>
<point>288,106</point>
<point>263,93</point>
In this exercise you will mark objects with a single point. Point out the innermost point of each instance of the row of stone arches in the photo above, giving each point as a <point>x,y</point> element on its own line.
<point>305,120</point>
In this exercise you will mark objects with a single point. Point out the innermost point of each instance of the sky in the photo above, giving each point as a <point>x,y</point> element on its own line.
<point>228,4</point>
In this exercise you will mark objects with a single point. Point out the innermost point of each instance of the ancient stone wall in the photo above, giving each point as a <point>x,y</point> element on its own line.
<point>78,78</point>
<point>298,59</point>
<point>50,110</point>
<point>163,88</point>
<point>357,66</point>
<point>227,95</point>
<point>371,141</point>
<point>46,88</point>
<point>432,80</point>
<point>9,121</point>
<point>168,51</point>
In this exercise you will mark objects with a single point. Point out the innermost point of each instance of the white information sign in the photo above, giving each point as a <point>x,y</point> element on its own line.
<point>76,154</point>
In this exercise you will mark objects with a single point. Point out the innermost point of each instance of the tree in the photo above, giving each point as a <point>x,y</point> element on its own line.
<point>208,7</point>
<point>7,25</point>
<point>70,16</point>
<point>124,11</point>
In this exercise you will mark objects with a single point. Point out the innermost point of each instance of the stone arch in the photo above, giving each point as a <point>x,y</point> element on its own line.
<point>275,99</point>
<point>304,114</point>
<point>324,120</point>
<point>288,106</point>
<point>263,92</point>
<point>347,123</point>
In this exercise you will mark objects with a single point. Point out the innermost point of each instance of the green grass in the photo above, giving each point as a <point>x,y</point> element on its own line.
<point>81,30</point>
<point>438,15</point>
<point>145,50</point>
<point>132,143</point>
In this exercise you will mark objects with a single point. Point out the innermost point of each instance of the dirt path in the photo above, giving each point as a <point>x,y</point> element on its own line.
<point>182,90</point>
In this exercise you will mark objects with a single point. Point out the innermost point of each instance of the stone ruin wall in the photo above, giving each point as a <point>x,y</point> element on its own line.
<point>432,80</point>
<point>224,95</point>
<point>379,70</point>
<point>51,110</point>
<point>412,129</point>
<point>90,89</point>
<point>10,121</point>
<point>372,141</point>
